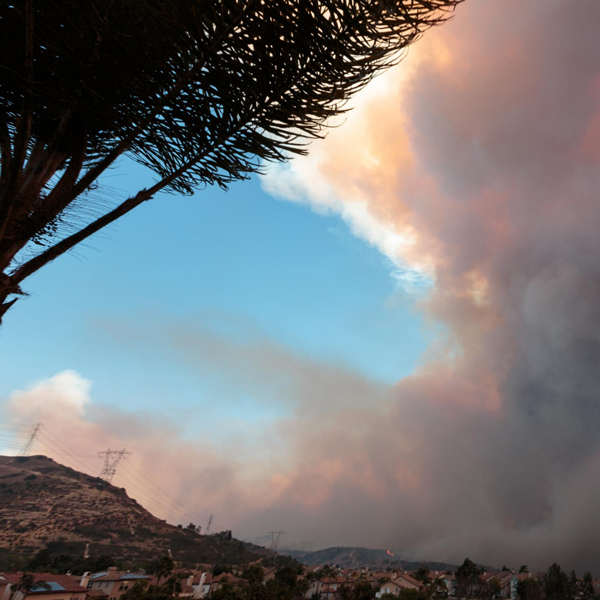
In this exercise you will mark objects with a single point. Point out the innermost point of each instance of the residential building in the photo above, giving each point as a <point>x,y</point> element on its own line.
<point>218,581</point>
<point>389,587</point>
<point>112,581</point>
<point>450,580</point>
<point>328,588</point>
<point>397,581</point>
<point>46,587</point>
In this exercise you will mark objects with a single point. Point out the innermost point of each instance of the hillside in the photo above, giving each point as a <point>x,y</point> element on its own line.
<point>363,557</point>
<point>42,502</point>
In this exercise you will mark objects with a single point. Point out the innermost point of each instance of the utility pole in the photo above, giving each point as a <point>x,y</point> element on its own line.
<point>111,459</point>
<point>30,440</point>
<point>207,530</point>
<point>275,535</point>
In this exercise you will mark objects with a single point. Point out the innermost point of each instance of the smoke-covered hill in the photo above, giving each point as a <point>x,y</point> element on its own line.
<point>363,557</point>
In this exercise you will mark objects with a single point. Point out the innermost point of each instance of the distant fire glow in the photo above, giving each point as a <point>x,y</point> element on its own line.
<point>390,553</point>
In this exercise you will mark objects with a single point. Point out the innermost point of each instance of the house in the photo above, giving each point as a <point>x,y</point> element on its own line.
<point>187,591</point>
<point>192,582</point>
<point>399,581</point>
<point>96,595</point>
<point>46,587</point>
<point>535,576</point>
<point>204,584</point>
<point>112,581</point>
<point>508,583</point>
<point>217,581</point>
<point>389,587</point>
<point>450,580</point>
<point>328,588</point>
<point>3,584</point>
<point>408,581</point>
<point>447,582</point>
<point>369,578</point>
<point>196,582</point>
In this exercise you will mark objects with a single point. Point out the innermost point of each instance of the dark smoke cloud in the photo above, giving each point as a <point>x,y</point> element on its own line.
<point>491,170</point>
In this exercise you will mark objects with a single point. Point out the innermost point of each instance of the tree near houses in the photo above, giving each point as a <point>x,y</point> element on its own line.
<point>585,590</point>
<point>555,584</point>
<point>529,589</point>
<point>437,588</point>
<point>422,574</point>
<point>254,575</point>
<point>491,588</point>
<point>141,590</point>
<point>200,92</point>
<point>411,594</point>
<point>558,585</point>
<point>26,582</point>
<point>468,581</point>
<point>363,590</point>
<point>163,568</point>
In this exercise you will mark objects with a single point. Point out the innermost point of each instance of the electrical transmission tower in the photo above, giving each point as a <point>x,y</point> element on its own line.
<point>207,530</point>
<point>275,535</point>
<point>111,459</point>
<point>30,440</point>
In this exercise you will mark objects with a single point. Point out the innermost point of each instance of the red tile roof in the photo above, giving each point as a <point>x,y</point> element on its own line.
<point>66,582</point>
<point>409,579</point>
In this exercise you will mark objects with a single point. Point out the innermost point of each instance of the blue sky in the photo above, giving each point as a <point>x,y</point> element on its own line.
<point>298,278</point>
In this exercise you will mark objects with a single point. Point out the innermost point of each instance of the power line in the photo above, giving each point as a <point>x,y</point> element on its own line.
<point>54,449</point>
<point>111,460</point>
<point>13,438</point>
<point>61,450</point>
<point>171,505</point>
<point>92,468</point>
<point>153,493</point>
<point>275,536</point>
<point>148,494</point>
<point>207,530</point>
<point>10,446</point>
<point>30,440</point>
<point>198,516</point>
<point>12,433</point>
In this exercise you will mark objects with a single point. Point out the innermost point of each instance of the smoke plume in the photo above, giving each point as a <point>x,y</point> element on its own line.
<point>479,158</point>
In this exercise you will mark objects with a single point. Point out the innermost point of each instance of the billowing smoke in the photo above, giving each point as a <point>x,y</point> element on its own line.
<point>479,157</point>
<point>474,167</point>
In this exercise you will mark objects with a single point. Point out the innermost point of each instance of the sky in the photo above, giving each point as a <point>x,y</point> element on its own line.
<point>392,342</point>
